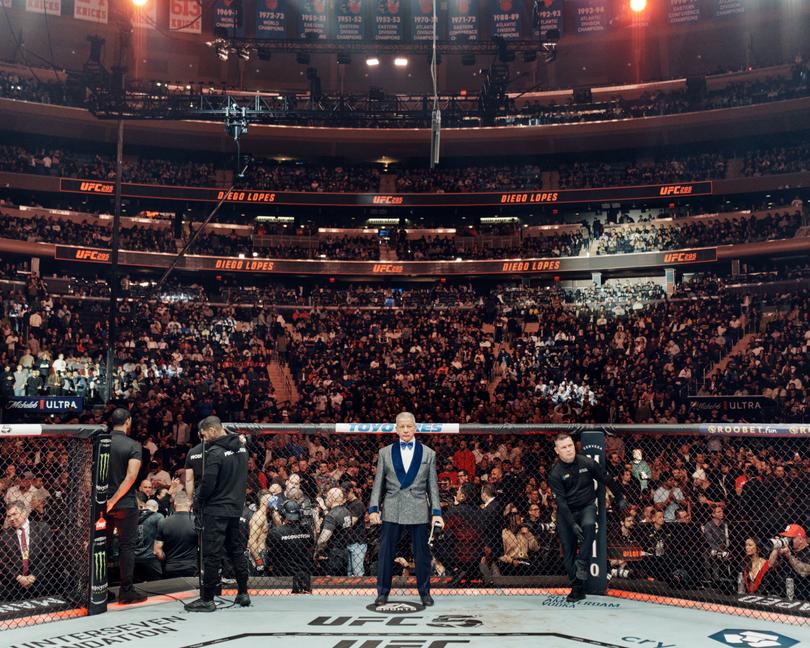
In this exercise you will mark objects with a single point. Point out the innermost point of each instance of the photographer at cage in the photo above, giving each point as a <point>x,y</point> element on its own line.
<point>290,548</point>
<point>572,482</point>
<point>220,500</point>
<point>797,556</point>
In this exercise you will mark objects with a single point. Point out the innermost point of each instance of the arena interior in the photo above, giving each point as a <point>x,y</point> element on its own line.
<point>253,233</point>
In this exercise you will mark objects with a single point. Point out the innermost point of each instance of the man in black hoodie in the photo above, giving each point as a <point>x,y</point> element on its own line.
<point>219,500</point>
<point>571,480</point>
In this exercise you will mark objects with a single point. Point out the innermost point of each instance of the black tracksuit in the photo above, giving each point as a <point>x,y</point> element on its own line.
<point>221,498</point>
<point>575,494</point>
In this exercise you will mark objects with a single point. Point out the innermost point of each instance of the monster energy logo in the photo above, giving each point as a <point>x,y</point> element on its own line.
<point>103,466</point>
<point>100,565</point>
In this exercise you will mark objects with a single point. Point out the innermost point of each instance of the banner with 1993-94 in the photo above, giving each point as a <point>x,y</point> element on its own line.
<point>271,19</point>
<point>591,16</point>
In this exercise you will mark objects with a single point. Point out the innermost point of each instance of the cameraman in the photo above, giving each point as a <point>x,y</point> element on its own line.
<point>290,548</point>
<point>798,558</point>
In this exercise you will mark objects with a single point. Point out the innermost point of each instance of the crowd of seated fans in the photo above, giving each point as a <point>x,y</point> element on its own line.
<point>678,235</point>
<point>446,248</point>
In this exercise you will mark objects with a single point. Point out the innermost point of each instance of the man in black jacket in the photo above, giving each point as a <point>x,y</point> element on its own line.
<point>571,481</point>
<point>220,500</point>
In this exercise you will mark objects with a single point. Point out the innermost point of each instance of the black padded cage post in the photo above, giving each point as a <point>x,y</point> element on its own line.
<point>48,481</point>
<point>677,549</point>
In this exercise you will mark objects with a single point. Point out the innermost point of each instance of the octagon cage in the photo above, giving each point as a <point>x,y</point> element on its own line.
<point>705,503</point>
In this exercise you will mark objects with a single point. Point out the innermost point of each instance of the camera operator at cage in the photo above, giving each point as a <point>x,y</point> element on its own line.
<point>290,548</point>
<point>571,480</point>
<point>792,547</point>
<point>219,501</point>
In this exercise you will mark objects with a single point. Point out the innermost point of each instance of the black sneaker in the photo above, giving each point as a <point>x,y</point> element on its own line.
<point>134,596</point>
<point>242,599</point>
<point>201,606</point>
<point>577,594</point>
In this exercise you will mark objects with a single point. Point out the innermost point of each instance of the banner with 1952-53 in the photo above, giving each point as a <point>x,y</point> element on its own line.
<point>388,20</point>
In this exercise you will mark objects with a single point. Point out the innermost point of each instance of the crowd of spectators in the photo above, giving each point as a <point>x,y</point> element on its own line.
<point>680,235</point>
<point>465,247</point>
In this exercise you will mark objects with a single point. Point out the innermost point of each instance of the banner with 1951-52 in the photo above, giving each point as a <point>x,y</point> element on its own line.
<point>349,23</point>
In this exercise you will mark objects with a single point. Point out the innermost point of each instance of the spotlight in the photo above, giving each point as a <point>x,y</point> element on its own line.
<point>243,52</point>
<point>637,6</point>
<point>401,61</point>
<point>222,51</point>
<point>344,58</point>
<point>372,61</point>
<point>139,3</point>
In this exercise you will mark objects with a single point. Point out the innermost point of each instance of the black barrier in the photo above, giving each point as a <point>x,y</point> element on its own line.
<point>318,199</point>
<point>733,482</point>
<point>48,504</point>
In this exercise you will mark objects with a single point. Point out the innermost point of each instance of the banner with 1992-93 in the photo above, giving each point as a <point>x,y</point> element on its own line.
<point>547,15</point>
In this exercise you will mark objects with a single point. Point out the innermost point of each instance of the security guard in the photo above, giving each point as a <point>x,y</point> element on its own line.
<point>571,480</point>
<point>220,500</point>
<point>290,548</point>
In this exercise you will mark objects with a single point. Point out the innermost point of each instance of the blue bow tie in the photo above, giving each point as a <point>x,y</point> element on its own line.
<point>406,446</point>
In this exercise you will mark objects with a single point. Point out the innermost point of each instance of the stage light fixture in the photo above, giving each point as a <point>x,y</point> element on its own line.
<point>140,3</point>
<point>401,61</point>
<point>638,6</point>
<point>222,51</point>
<point>372,61</point>
<point>344,58</point>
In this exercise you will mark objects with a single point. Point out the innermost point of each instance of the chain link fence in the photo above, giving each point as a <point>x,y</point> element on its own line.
<point>716,519</point>
<point>45,501</point>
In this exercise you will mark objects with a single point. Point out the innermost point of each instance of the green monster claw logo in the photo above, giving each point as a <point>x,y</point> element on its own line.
<point>100,565</point>
<point>103,466</point>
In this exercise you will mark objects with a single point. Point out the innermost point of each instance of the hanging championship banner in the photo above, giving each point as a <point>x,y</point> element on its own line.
<point>547,16</point>
<point>271,18</point>
<point>388,20</point>
<point>50,7</point>
<point>185,16</point>
<point>228,16</point>
<point>90,10</point>
<point>349,20</point>
<point>422,20</point>
<point>729,7</point>
<point>312,18</point>
<point>145,17</point>
<point>507,18</point>
<point>683,11</point>
<point>591,16</point>
<point>463,19</point>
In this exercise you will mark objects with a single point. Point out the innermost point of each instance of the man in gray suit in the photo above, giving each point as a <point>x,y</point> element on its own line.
<point>406,479</point>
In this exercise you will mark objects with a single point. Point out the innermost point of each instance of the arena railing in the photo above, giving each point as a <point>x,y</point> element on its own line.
<point>54,484</point>
<point>750,481</point>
